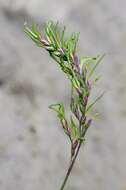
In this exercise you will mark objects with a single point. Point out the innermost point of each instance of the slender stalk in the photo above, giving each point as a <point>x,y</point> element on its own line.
<point>72,163</point>
<point>70,167</point>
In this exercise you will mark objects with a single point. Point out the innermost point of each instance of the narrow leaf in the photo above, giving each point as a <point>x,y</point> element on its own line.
<point>98,60</point>
<point>92,104</point>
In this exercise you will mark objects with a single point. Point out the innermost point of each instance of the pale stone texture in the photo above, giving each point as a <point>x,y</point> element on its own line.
<point>33,150</point>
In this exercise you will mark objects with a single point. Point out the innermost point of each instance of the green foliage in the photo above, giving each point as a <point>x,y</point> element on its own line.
<point>59,108</point>
<point>33,34</point>
<point>81,74</point>
<point>89,108</point>
<point>74,130</point>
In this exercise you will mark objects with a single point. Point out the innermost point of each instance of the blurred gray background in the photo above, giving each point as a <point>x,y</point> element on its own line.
<point>34,154</point>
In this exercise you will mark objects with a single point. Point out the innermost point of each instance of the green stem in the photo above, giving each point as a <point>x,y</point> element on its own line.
<point>70,167</point>
<point>72,162</point>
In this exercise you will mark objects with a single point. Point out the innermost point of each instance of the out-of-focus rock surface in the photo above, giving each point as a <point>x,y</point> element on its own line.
<point>33,151</point>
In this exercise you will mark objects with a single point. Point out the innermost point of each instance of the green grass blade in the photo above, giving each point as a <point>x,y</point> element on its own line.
<point>96,64</point>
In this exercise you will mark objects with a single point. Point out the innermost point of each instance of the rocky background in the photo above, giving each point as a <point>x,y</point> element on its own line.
<point>33,150</point>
